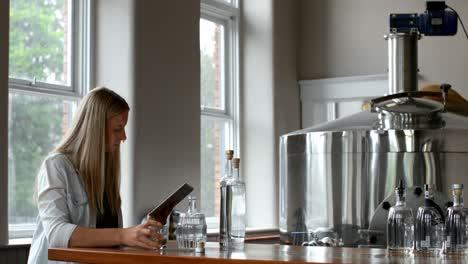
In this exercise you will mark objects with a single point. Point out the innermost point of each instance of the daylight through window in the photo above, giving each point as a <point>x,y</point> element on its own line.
<point>218,98</point>
<point>44,57</point>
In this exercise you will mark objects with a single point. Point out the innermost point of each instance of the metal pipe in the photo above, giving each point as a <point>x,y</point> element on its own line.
<point>402,62</point>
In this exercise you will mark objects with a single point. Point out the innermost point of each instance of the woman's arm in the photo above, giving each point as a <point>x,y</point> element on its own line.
<point>56,218</point>
<point>106,237</point>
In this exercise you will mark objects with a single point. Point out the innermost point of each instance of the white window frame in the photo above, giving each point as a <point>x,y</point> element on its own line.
<point>227,14</point>
<point>80,84</point>
<point>81,78</point>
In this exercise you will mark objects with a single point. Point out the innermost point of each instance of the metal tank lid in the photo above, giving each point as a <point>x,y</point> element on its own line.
<point>407,112</point>
<point>402,124</point>
<point>411,106</point>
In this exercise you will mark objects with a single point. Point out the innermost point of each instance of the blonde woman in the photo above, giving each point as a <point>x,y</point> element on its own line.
<point>78,184</point>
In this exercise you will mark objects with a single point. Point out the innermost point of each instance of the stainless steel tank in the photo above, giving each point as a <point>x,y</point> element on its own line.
<point>337,179</point>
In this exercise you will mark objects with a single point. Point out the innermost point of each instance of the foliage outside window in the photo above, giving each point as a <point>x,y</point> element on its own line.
<point>42,96</point>
<point>39,32</point>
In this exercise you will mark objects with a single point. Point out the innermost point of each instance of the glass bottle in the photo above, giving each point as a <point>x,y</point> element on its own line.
<point>400,225</point>
<point>237,236</point>
<point>192,227</point>
<point>455,224</point>
<point>223,221</point>
<point>429,225</point>
<point>180,232</point>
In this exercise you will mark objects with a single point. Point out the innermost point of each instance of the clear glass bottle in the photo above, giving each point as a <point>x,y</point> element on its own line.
<point>455,224</point>
<point>237,236</point>
<point>232,226</point>
<point>429,225</point>
<point>192,227</point>
<point>223,221</point>
<point>400,225</point>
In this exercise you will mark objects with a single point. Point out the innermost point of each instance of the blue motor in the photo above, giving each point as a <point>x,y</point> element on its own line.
<point>437,20</point>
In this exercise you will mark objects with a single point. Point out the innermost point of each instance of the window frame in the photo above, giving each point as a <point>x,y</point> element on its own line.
<point>227,14</point>
<point>80,82</point>
<point>81,47</point>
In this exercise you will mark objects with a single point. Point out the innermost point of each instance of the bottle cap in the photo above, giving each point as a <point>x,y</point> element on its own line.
<point>235,162</point>
<point>457,189</point>
<point>200,247</point>
<point>229,153</point>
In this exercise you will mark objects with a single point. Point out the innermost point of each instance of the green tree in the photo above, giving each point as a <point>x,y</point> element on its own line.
<point>35,127</point>
<point>37,49</point>
<point>37,38</point>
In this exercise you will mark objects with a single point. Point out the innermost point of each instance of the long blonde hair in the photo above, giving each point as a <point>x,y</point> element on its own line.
<point>85,145</point>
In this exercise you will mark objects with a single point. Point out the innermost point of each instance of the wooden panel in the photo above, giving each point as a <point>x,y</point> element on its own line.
<point>3,256</point>
<point>11,256</point>
<point>252,253</point>
<point>22,255</point>
<point>14,255</point>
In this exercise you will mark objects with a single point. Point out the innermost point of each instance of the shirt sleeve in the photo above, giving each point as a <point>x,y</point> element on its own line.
<point>52,203</point>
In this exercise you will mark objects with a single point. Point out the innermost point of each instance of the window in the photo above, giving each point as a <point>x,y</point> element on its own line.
<point>47,76</point>
<point>218,97</point>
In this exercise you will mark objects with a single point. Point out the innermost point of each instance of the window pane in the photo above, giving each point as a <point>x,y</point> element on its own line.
<point>212,65</point>
<point>40,43</point>
<point>215,140</point>
<point>231,2</point>
<point>36,125</point>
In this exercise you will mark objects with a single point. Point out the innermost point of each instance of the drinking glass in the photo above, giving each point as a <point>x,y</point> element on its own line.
<point>162,231</point>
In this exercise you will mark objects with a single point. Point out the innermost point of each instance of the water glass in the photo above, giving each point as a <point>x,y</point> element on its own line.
<point>162,238</point>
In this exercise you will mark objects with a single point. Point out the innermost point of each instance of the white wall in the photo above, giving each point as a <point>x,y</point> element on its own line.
<point>4,37</point>
<point>167,92</point>
<point>285,79</point>
<point>149,52</point>
<point>270,100</point>
<point>345,38</point>
<point>257,112</point>
<point>114,60</point>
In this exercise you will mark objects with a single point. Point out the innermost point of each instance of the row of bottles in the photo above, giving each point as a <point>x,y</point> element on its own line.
<point>433,231</point>
<point>233,209</point>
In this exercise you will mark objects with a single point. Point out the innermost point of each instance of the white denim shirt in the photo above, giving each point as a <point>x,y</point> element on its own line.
<point>62,204</point>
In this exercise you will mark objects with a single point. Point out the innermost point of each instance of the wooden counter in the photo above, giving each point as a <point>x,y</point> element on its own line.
<point>252,253</point>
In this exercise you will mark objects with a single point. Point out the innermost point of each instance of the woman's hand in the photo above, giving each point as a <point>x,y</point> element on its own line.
<point>143,235</point>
